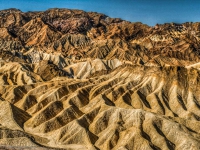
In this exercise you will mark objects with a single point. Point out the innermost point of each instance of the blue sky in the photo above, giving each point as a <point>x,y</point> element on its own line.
<point>146,11</point>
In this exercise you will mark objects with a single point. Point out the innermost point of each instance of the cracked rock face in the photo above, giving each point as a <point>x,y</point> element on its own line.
<point>71,79</point>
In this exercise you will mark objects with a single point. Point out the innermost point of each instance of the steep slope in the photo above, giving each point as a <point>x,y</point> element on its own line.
<point>71,79</point>
<point>77,34</point>
<point>149,104</point>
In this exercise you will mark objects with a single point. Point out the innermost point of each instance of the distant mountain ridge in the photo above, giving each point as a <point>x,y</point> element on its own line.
<point>79,34</point>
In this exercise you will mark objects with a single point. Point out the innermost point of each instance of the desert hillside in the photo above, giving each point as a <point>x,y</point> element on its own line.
<point>79,80</point>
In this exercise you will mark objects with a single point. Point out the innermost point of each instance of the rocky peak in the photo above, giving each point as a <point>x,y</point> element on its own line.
<point>88,34</point>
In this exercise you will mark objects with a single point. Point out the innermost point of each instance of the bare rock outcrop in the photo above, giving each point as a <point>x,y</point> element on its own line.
<point>75,80</point>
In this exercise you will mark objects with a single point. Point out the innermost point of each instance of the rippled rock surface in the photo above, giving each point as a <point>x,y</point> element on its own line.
<point>71,79</point>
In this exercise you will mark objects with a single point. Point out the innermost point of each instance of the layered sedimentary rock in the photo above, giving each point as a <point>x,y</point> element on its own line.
<point>71,79</point>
